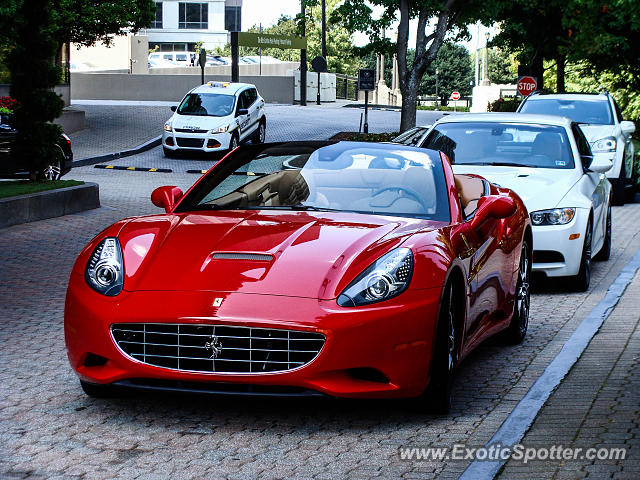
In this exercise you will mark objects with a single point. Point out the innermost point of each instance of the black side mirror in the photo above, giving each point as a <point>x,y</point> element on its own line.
<point>242,111</point>
<point>173,108</point>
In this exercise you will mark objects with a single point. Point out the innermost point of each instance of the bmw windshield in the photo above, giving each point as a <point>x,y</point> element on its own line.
<point>322,176</point>
<point>207,105</point>
<point>502,144</point>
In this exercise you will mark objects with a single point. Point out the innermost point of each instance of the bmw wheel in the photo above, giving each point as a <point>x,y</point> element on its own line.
<point>605,252</point>
<point>517,329</point>
<point>583,279</point>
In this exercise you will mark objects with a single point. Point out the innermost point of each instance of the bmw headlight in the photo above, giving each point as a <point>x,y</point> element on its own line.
<point>105,270</point>
<point>222,129</point>
<point>556,216</point>
<point>168,128</point>
<point>385,278</point>
<point>603,145</point>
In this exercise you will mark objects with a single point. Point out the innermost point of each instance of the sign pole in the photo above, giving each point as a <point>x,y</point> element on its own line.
<point>203,62</point>
<point>318,98</point>
<point>303,63</point>
<point>366,112</point>
<point>235,69</point>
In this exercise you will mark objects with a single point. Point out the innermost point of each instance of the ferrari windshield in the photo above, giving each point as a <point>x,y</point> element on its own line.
<point>207,105</point>
<point>323,176</point>
<point>509,144</point>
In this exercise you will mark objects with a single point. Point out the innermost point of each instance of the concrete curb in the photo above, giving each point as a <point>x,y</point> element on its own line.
<point>115,155</point>
<point>48,204</point>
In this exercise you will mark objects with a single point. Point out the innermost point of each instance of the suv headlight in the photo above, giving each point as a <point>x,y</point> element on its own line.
<point>220,129</point>
<point>385,278</point>
<point>167,127</point>
<point>556,216</point>
<point>607,144</point>
<point>105,269</point>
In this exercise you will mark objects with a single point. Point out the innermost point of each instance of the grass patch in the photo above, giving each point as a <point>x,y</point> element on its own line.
<point>15,188</point>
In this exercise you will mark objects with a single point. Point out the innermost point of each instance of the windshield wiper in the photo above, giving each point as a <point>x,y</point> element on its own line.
<point>500,164</point>
<point>298,208</point>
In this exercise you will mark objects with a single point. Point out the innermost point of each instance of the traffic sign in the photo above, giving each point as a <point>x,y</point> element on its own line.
<point>526,85</point>
<point>455,96</point>
<point>366,79</point>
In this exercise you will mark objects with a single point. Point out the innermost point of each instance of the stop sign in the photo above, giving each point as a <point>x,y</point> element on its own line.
<point>455,96</point>
<point>526,85</point>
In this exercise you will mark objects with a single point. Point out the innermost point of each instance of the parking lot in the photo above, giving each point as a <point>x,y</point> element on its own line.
<point>50,429</point>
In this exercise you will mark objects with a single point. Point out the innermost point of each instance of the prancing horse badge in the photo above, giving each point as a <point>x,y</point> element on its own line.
<point>217,302</point>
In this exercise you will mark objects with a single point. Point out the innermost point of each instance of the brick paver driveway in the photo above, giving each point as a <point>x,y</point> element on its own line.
<point>50,429</point>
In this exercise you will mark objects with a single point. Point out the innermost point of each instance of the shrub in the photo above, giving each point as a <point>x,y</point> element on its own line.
<point>504,105</point>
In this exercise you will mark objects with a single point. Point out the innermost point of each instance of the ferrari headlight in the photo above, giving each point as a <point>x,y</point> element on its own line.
<point>557,216</point>
<point>603,145</point>
<point>222,129</point>
<point>385,278</point>
<point>167,127</point>
<point>105,269</point>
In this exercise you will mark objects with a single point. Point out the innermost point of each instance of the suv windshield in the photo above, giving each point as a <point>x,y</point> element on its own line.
<point>323,176</point>
<point>596,111</point>
<point>207,104</point>
<point>489,143</point>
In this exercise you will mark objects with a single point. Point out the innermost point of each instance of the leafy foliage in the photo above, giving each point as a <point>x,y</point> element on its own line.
<point>504,105</point>
<point>454,72</point>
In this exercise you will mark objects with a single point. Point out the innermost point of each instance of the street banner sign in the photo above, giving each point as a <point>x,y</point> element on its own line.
<point>366,79</point>
<point>526,85</point>
<point>455,96</point>
<point>264,40</point>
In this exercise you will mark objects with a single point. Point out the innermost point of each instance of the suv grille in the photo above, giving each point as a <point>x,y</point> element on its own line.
<point>190,142</point>
<point>217,348</point>
<point>188,130</point>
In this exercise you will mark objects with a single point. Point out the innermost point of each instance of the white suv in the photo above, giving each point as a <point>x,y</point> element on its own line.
<point>601,121</point>
<point>215,117</point>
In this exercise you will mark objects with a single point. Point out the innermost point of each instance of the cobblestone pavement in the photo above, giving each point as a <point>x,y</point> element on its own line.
<point>50,429</point>
<point>114,128</point>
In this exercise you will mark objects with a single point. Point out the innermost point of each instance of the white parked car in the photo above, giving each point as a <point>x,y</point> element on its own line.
<point>548,162</point>
<point>215,116</point>
<point>601,121</point>
<point>182,59</point>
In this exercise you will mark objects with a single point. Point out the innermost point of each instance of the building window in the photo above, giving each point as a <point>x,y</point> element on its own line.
<point>157,23</point>
<point>233,19</point>
<point>193,15</point>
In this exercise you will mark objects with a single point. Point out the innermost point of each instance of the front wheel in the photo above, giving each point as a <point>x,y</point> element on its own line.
<point>53,170</point>
<point>605,252</point>
<point>583,279</point>
<point>439,395</point>
<point>233,144</point>
<point>261,132</point>
<point>618,187</point>
<point>168,152</point>
<point>517,329</point>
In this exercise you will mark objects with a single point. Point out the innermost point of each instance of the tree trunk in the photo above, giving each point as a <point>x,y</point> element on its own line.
<point>560,65</point>
<point>537,70</point>
<point>408,114</point>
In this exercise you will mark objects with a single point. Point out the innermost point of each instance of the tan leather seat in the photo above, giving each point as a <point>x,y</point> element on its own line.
<point>470,190</point>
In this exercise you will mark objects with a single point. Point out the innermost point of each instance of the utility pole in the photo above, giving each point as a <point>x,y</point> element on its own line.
<point>303,61</point>
<point>437,71</point>
<point>324,29</point>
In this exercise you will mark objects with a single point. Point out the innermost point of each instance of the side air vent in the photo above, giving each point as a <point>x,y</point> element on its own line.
<point>256,257</point>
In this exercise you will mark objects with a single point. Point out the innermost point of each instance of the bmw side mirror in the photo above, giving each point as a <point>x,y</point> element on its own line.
<point>493,206</point>
<point>166,197</point>
<point>242,111</point>
<point>600,164</point>
<point>173,108</point>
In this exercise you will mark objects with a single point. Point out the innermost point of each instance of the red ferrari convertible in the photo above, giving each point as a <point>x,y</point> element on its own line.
<point>337,268</point>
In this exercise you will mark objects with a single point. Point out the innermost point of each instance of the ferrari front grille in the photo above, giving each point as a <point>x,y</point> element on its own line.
<point>217,348</point>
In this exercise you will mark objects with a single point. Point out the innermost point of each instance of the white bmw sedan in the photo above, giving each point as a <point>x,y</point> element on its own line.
<point>215,116</point>
<point>548,162</point>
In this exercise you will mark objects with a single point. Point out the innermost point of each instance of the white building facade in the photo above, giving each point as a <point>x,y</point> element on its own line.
<point>178,26</point>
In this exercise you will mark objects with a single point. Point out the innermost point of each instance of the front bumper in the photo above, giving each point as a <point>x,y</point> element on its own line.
<point>551,241</point>
<point>393,339</point>
<point>196,142</point>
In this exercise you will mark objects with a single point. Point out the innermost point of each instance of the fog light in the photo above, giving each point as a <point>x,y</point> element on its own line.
<point>169,141</point>
<point>213,143</point>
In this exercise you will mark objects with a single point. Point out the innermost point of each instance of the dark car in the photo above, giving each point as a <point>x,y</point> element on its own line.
<point>9,168</point>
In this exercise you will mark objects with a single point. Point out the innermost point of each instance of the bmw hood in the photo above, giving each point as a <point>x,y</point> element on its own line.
<point>304,254</point>
<point>539,188</point>
<point>596,132</point>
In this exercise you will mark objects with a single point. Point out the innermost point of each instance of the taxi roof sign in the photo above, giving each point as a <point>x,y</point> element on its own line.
<point>218,84</point>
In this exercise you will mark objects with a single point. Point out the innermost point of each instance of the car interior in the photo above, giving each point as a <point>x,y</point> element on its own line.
<point>470,190</point>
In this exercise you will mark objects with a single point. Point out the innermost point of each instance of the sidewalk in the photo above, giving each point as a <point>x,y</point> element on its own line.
<point>597,405</point>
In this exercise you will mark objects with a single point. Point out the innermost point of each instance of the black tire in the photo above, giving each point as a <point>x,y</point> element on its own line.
<point>261,132</point>
<point>168,153</point>
<point>583,279</point>
<point>96,390</point>
<point>233,143</point>
<point>617,187</point>
<point>605,252</point>
<point>630,191</point>
<point>517,329</point>
<point>438,395</point>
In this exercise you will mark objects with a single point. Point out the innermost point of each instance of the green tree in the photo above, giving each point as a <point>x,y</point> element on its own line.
<point>454,72</point>
<point>444,16</point>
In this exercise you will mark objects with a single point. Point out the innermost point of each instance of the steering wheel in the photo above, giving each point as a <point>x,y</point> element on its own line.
<point>409,191</point>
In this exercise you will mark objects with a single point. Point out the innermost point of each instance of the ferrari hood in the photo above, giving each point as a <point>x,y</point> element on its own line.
<point>539,188</point>
<point>304,254</point>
